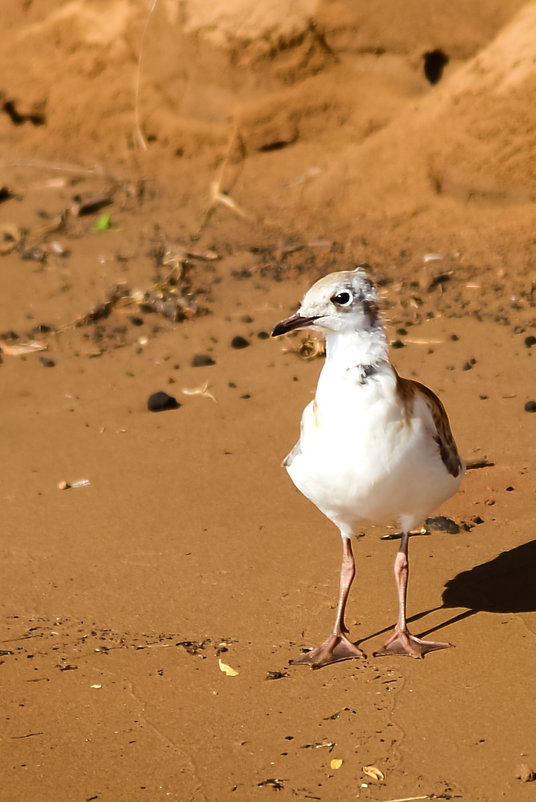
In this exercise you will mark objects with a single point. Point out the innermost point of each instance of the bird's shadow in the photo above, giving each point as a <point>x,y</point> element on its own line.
<point>505,584</point>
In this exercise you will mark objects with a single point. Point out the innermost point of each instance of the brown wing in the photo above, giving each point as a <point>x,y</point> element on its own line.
<point>408,389</point>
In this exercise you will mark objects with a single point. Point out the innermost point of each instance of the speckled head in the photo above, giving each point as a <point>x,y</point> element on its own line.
<point>344,301</point>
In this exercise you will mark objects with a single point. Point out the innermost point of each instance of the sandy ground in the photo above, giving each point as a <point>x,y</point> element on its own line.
<point>190,545</point>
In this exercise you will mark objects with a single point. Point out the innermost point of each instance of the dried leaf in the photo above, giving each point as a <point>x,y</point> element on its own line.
<point>307,348</point>
<point>336,763</point>
<point>375,773</point>
<point>202,390</point>
<point>22,348</point>
<point>230,672</point>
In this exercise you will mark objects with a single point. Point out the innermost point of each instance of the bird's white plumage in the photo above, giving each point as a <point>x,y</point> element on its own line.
<point>363,454</point>
<point>360,458</point>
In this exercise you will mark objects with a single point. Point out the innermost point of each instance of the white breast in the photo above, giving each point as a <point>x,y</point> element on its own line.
<point>359,456</point>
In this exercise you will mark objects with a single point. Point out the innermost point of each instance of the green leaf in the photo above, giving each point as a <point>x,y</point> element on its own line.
<point>104,223</point>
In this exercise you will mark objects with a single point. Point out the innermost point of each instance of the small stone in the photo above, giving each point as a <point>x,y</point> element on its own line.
<point>263,335</point>
<point>397,344</point>
<point>161,401</point>
<point>530,406</point>
<point>47,362</point>
<point>477,519</point>
<point>276,674</point>
<point>525,773</point>
<point>239,342</point>
<point>442,524</point>
<point>469,364</point>
<point>136,321</point>
<point>63,485</point>
<point>201,361</point>
<point>530,341</point>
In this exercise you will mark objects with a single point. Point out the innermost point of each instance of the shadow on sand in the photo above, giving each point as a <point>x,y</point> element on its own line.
<point>506,584</point>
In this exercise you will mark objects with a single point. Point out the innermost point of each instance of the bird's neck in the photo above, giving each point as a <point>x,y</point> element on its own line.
<point>345,350</point>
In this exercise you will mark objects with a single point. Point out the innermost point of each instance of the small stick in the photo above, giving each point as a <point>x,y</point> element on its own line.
<point>408,798</point>
<point>141,138</point>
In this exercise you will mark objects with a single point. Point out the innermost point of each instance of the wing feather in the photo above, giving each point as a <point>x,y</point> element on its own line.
<point>408,391</point>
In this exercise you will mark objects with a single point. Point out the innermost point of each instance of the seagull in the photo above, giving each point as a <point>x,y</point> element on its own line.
<point>373,445</point>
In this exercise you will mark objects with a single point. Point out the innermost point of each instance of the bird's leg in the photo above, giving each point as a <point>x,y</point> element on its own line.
<point>402,642</point>
<point>337,647</point>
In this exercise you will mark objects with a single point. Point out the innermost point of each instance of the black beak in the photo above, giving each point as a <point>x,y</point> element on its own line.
<point>292,323</point>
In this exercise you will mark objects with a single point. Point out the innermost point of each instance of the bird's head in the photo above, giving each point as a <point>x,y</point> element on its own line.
<point>340,302</point>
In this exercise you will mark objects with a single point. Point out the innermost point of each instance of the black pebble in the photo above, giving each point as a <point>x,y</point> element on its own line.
<point>201,361</point>
<point>530,406</point>
<point>276,674</point>
<point>402,332</point>
<point>397,344</point>
<point>44,328</point>
<point>442,524</point>
<point>46,362</point>
<point>478,520</point>
<point>530,341</point>
<point>239,342</point>
<point>160,401</point>
<point>136,321</point>
<point>263,335</point>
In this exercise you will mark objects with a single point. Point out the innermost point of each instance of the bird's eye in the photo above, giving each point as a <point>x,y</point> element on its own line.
<point>342,299</point>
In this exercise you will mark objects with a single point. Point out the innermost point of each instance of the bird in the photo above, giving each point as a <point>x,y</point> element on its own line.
<point>373,446</point>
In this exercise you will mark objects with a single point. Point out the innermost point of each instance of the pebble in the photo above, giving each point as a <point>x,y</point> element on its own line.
<point>239,342</point>
<point>530,341</point>
<point>136,321</point>
<point>530,406</point>
<point>202,361</point>
<point>397,344</point>
<point>263,335</point>
<point>160,401</point>
<point>47,362</point>
<point>276,674</point>
<point>442,524</point>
